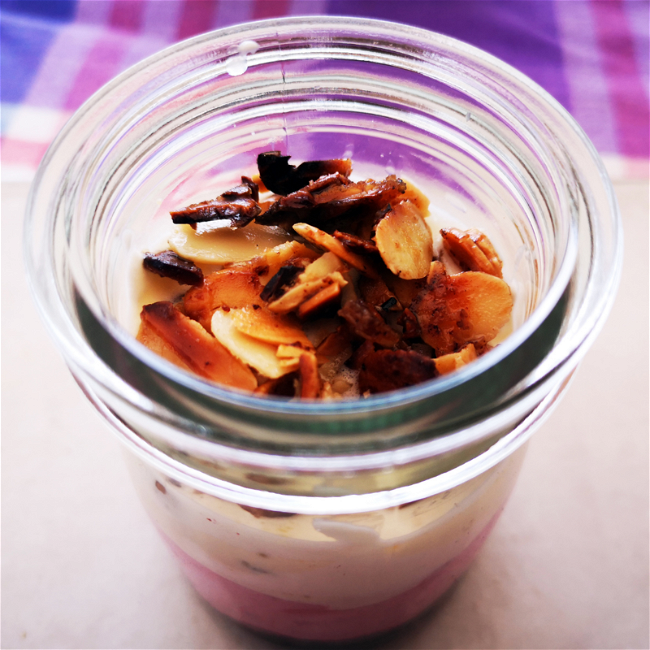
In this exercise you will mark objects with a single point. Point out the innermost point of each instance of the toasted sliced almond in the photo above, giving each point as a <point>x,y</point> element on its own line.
<point>225,245</point>
<point>302,291</point>
<point>417,197</point>
<point>405,242</point>
<point>257,354</point>
<point>200,351</point>
<point>265,325</point>
<point>231,288</point>
<point>156,343</point>
<point>278,256</point>
<point>473,250</point>
<point>327,263</point>
<point>449,362</point>
<point>323,240</point>
<point>289,351</point>
<point>487,301</point>
<point>453,310</point>
<point>384,370</point>
<point>326,299</point>
<point>310,382</point>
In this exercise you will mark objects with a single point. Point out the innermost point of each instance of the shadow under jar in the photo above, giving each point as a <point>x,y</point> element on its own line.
<point>324,520</point>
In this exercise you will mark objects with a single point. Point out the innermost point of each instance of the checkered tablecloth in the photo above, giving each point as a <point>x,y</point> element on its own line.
<point>592,55</point>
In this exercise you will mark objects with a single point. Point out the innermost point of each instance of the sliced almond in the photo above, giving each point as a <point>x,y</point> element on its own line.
<point>302,291</point>
<point>278,256</point>
<point>201,352</point>
<point>327,263</point>
<point>327,298</point>
<point>232,288</point>
<point>257,354</point>
<point>310,382</point>
<point>156,343</point>
<point>265,325</point>
<point>453,310</point>
<point>449,362</point>
<point>225,245</point>
<point>473,250</point>
<point>486,301</point>
<point>323,240</point>
<point>417,197</point>
<point>289,351</point>
<point>405,242</point>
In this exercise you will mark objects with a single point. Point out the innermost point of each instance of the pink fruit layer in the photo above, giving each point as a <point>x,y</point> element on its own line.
<point>318,622</point>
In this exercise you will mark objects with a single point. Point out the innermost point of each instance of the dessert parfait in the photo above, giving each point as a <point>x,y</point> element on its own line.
<point>324,368</point>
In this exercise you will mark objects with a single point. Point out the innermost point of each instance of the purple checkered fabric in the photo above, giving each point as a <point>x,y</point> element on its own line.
<point>592,55</point>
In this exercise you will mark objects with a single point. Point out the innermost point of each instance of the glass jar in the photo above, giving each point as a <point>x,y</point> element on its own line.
<point>324,520</point>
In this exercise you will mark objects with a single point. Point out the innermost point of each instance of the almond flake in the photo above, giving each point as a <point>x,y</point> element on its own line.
<point>405,242</point>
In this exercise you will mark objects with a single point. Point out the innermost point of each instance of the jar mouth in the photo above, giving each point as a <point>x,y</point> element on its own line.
<point>567,314</point>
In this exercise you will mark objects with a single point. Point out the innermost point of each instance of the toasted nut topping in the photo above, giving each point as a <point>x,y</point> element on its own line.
<point>356,244</point>
<point>472,250</point>
<point>258,354</point>
<point>323,240</point>
<point>225,245</point>
<point>325,300</point>
<point>229,287</point>
<point>282,178</point>
<point>237,207</point>
<point>453,310</point>
<point>200,351</point>
<point>302,291</point>
<point>405,242</point>
<point>269,327</point>
<point>384,370</point>
<point>449,362</point>
<point>310,383</point>
<point>367,323</point>
<point>170,265</point>
<point>375,292</point>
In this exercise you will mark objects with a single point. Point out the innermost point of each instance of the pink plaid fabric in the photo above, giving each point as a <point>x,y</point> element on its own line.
<point>591,54</point>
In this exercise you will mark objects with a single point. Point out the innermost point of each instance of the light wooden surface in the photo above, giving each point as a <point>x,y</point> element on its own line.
<point>566,566</point>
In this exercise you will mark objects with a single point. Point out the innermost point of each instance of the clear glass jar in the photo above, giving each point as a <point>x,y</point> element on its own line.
<point>330,520</point>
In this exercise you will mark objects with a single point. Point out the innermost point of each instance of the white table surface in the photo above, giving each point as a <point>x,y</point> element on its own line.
<point>566,566</point>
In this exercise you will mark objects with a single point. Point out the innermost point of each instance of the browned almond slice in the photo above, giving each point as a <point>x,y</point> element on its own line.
<point>310,382</point>
<point>405,242</point>
<point>473,250</point>
<point>257,354</point>
<point>486,301</point>
<point>200,351</point>
<point>449,362</point>
<point>384,370</point>
<point>326,299</point>
<point>277,257</point>
<point>322,267</point>
<point>296,295</point>
<point>417,197</point>
<point>356,244</point>
<point>232,288</point>
<point>265,325</point>
<point>329,243</point>
<point>151,339</point>
<point>453,310</point>
<point>289,351</point>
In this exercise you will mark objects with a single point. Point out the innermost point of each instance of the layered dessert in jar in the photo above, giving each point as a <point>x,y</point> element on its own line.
<point>302,283</point>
